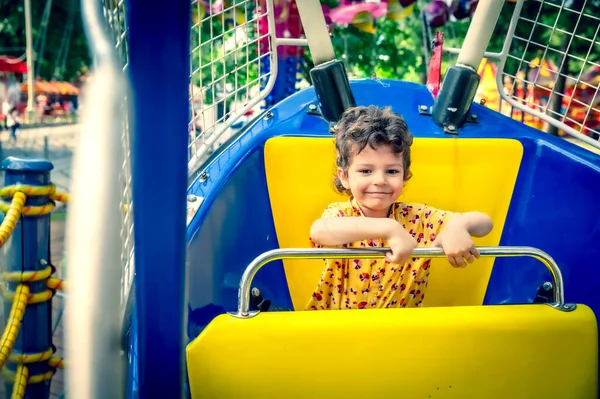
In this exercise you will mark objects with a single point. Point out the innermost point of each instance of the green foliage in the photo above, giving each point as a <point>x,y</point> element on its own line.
<point>230,60</point>
<point>395,50</point>
<point>547,41</point>
<point>12,35</point>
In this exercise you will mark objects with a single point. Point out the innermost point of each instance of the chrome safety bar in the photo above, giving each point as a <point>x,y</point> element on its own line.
<point>370,253</point>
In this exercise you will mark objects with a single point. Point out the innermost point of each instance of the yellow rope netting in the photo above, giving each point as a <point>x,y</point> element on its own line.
<point>12,216</point>
<point>22,296</point>
<point>32,191</point>
<point>20,382</point>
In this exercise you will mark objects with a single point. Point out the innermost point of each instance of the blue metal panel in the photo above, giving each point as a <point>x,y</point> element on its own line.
<point>234,230</point>
<point>159,46</point>
<point>553,207</point>
<point>234,224</point>
<point>28,246</point>
<point>132,358</point>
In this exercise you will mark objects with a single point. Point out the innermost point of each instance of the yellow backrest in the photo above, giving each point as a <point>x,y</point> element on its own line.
<point>492,352</point>
<point>455,174</point>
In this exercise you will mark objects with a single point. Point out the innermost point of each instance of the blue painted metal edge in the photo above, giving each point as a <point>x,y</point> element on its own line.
<point>159,70</point>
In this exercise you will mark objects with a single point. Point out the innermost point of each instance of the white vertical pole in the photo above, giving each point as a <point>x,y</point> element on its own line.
<point>29,54</point>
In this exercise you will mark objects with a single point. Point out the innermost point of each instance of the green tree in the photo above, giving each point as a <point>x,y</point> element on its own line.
<point>12,36</point>
<point>396,50</point>
<point>224,56</point>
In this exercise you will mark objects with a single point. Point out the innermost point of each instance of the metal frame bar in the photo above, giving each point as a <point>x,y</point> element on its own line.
<point>374,253</point>
<point>159,78</point>
<point>92,324</point>
<point>315,29</point>
<point>479,33</point>
<point>486,54</point>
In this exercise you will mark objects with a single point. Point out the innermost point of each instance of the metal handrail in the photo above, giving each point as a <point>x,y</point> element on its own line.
<point>371,253</point>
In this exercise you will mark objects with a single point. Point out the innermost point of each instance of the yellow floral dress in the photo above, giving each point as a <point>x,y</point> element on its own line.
<point>377,283</point>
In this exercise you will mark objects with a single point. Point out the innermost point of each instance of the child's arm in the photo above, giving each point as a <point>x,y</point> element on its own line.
<point>478,224</point>
<point>455,238</point>
<point>344,230</point>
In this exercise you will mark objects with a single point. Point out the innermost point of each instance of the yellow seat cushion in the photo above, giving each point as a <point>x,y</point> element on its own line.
<point>457,174</point>
<point>491,352</point>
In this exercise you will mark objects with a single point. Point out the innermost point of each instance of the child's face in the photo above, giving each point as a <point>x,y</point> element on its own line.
<point>375,178</point>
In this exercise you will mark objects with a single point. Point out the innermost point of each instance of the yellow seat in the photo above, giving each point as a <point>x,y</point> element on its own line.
<point>469,351</point>
<point>455,174</point>
<point>491,352</point>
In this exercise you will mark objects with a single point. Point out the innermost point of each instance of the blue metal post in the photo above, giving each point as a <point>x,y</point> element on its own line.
<point>28,249</point>
<point>159,71</point>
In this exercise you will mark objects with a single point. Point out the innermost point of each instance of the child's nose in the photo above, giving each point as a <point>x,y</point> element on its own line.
<point>379,178</point>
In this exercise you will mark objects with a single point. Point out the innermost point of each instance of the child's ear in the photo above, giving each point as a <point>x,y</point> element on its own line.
<point>343,178</point>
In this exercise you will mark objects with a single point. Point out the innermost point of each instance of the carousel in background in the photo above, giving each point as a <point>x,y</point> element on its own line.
<point>53,100</point>
<point>534,86</point>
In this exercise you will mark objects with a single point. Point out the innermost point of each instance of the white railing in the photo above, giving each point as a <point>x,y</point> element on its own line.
<point>548,71</point>
<point>233,68</point>
<point>550,66</point>
<point>114,13</point>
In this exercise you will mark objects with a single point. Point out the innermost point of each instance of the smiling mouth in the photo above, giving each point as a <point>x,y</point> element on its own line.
<point>378,193</point>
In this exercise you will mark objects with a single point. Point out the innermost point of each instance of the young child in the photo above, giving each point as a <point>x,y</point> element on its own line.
<point>373,164</point>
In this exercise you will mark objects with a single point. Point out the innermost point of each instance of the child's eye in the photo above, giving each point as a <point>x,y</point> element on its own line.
<point>364,171</point>
<point>393,171</point>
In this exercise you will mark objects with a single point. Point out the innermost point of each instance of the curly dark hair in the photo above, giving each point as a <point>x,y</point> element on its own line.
<point>373,126</point>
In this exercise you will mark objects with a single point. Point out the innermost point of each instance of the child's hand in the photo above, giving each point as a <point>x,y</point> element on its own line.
<point>457,244</point>
<point>401,245</point>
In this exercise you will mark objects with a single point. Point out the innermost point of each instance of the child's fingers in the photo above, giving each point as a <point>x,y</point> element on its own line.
<point>389,257</point>
<point>468,257</point>
<point>456,260</point>
<point>451,260</point>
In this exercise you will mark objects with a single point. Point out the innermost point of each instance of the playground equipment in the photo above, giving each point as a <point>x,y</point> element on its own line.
<point>211,228</point>
<point>26,352</point>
